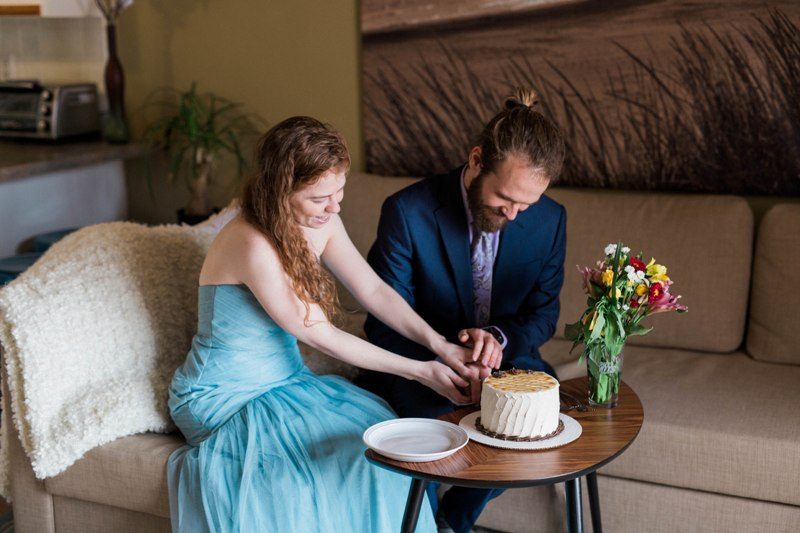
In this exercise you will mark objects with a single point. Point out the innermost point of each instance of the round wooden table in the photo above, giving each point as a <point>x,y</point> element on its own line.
<point>606,434</point>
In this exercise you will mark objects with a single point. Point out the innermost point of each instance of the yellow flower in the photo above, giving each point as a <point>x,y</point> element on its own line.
<point>611,293</point>
<point>656,272</point>
<point>641,289</point>
<point>608,277</point>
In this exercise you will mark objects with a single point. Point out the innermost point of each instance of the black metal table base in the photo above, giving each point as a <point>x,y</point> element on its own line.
<point>574,506</point>
<point>416,495</point>
<point>594,502</point>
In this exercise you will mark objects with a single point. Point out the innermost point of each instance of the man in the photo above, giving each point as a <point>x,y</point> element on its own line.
<point>479,254</point>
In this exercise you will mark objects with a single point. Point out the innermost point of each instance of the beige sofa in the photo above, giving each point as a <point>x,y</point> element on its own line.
<point>720,445</point>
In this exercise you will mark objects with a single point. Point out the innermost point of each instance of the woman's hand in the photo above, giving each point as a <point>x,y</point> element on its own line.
<point>458,358</point>
<point>444,381</point>
<point>485,347</point>
<point>482,372</point>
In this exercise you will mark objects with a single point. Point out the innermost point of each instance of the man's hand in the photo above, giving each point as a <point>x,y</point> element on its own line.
<point>485,347</point>
<point>469,362</point>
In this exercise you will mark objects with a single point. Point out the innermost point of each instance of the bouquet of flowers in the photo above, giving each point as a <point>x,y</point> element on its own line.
<point>621,291</point>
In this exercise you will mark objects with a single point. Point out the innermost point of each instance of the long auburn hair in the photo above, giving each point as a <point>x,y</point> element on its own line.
<point>291,156</point>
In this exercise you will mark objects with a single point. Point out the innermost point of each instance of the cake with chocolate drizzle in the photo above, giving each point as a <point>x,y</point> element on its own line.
<point>520,405</point>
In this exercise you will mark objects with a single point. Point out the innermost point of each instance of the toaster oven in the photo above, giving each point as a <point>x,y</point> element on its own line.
<point>29,109</point>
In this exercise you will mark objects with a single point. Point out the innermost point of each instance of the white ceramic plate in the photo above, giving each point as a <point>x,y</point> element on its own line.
<point>415,440</point>
<point>572,430</point>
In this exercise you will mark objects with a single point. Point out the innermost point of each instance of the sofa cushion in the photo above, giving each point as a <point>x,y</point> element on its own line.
<point>361,207</point>
<point>717,423</point>
<point>683,231</point>
<point>636,507</point>
<point>130,473</point>
<point>705,241</point>
<point>772,323</point>
<point>361,210</point>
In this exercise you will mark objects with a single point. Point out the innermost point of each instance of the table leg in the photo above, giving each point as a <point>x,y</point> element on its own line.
<point>416,495</point>
<point>574,503</point>
<point>594,502</point>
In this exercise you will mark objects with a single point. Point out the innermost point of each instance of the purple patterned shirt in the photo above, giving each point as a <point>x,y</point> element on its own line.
<point>482,263</point>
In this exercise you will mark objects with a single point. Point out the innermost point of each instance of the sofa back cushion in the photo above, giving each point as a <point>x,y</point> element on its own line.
<point>773,321</point>
<point>361,209</point>
<point>705,241</point>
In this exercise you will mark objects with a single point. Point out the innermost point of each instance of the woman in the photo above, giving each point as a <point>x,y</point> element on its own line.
<point>272,446</point>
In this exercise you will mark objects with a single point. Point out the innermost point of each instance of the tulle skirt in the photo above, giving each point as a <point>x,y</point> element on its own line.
<point>291,460</point>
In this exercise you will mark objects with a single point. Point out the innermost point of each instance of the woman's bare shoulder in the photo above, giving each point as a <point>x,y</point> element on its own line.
<point>239,231</point>
<point>236,249</point>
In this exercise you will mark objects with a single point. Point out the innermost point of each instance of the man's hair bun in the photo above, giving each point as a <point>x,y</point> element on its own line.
<point>522,97</point>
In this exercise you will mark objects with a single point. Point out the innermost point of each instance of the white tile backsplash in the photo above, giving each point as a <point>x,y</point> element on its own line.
<point>53,49</point>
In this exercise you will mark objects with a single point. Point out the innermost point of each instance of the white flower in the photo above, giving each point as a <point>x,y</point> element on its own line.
<point>625,307</point>
<point>636,276</point>
<point>611,249</point>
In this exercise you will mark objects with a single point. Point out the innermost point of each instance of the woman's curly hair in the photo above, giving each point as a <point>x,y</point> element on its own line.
<point>291,156</point>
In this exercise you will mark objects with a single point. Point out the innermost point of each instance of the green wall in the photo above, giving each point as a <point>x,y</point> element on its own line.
<point>278,57</point>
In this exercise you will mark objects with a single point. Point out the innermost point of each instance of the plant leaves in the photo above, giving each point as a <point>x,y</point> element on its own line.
<point>573,331</point>
<point>638,329</point>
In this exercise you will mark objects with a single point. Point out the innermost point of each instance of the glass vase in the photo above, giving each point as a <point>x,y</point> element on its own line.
<point>604,373</point>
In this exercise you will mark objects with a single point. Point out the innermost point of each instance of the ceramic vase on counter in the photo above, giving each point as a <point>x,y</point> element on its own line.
<point>115,127</point>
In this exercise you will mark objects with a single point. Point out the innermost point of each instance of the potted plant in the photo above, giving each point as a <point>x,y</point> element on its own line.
<point>194,131</point>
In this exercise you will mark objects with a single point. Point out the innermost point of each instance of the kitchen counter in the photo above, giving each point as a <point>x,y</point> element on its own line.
<point>47,186</point>
<point>22,159</point>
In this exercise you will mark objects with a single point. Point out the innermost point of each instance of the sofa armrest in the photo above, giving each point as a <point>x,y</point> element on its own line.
<point>32,504</point>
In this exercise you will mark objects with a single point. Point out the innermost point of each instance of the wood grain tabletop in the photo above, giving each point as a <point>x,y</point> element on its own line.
<point>606,434</point>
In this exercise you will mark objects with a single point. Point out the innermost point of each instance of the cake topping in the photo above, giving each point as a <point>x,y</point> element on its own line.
<point>521,381</point>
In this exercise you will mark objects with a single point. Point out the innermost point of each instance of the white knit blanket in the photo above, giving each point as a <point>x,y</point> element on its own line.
<point>91,335</point>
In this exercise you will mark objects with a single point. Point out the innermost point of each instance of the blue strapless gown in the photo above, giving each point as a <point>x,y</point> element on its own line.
<point>271,445</point>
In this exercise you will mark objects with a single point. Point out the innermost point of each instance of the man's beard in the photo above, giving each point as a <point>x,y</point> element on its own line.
<point>485,218</point>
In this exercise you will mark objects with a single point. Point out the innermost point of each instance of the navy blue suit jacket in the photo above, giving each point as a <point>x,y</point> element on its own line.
<point>422,251</point>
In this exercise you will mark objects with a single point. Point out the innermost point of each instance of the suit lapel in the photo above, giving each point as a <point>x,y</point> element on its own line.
<point>452,221</point>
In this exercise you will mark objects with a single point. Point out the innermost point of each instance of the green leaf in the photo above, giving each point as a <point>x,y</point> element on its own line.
<point>638,329</point>
<point>574,345</point>
<point>598,325</point>
<point>573,331</point>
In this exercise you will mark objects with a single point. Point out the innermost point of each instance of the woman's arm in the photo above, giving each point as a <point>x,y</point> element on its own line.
<point>379,299</point>
<point>260,269</point>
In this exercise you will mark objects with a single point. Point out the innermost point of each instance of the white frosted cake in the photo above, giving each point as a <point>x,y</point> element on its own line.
<point>520,405</point>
